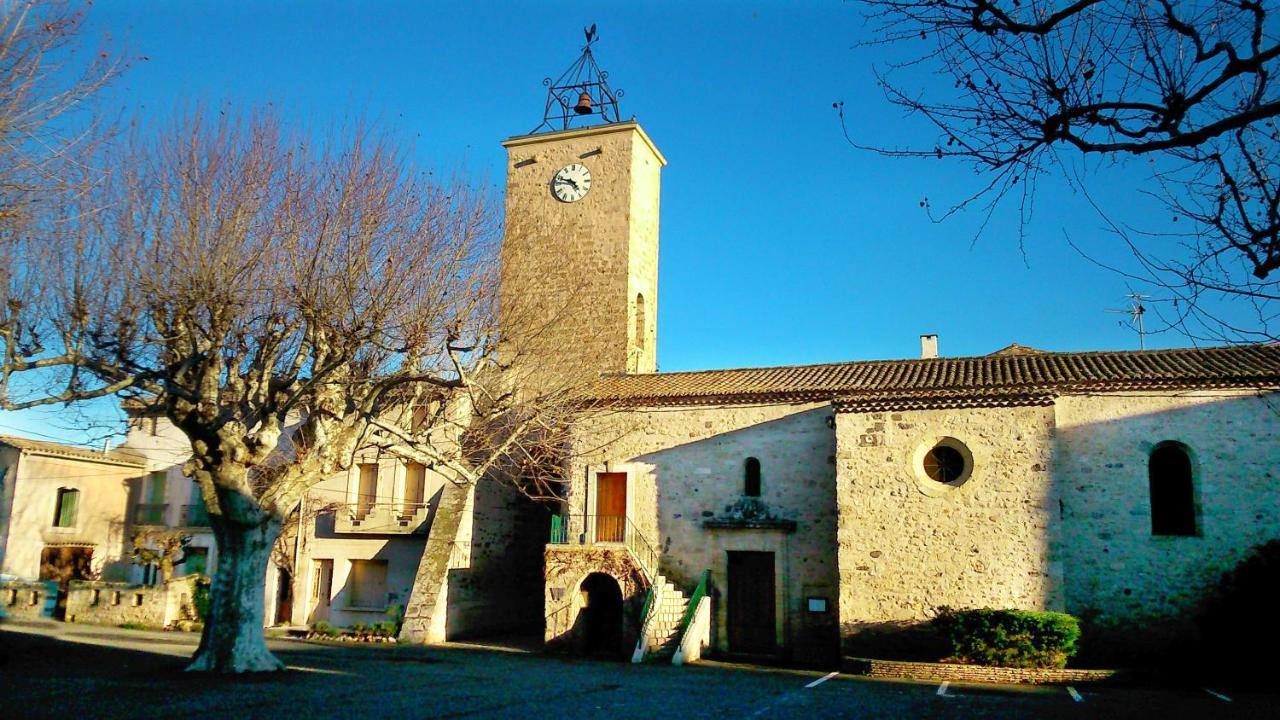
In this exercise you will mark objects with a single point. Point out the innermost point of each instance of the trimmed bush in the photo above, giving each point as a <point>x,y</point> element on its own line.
<point>1009,638</point>
<point>200,598</point>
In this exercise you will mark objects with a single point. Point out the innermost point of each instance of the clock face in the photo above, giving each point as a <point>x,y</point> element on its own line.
<point>571,183</point>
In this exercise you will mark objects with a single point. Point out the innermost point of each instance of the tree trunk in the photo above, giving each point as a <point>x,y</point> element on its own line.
<point>233,639</point>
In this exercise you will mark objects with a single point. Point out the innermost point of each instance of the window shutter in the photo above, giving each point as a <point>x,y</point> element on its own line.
<point>67,501</point>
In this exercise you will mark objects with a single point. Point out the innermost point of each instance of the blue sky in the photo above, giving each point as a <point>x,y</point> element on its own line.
<point>780,244</point>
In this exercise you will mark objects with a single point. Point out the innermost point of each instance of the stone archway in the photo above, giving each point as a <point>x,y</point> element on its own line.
<point>601,618</point>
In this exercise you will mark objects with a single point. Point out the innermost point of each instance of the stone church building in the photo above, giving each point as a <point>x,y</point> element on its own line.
<point>800,512</point>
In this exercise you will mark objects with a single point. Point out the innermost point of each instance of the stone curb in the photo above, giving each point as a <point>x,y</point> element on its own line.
<point>977,673</point>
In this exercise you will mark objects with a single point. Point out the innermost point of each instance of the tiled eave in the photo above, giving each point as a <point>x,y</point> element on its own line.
<point>938,399</point>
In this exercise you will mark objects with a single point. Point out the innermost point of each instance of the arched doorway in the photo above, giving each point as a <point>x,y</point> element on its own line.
<point>601,615</point>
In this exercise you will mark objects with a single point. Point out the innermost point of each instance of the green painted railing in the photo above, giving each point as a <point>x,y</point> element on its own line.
<point>609,530</point>
<point>559,530</point>
<point>698,593</point>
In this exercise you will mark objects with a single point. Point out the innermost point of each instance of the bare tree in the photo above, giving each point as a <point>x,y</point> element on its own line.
<point>1188,86</point>
<point>46,80</point>
<point>166,549</point>
<point>283,304</point>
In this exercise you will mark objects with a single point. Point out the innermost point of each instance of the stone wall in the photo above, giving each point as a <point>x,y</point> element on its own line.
<point>938,672</point>
<point>105,603</point>
<point>1121,579</point>
<point>909,544</point>
<point>567,567</point>
<point>1054,514</point>
<point>27,599</point>
<point>571,271</point>
<point>686,467</point>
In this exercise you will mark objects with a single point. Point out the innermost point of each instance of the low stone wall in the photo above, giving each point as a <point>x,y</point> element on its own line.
<point>27,599</point>
<point>103,603</point>
<point>975,673</point>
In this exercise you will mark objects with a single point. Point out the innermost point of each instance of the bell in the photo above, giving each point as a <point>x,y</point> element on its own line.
<point>584,104</point>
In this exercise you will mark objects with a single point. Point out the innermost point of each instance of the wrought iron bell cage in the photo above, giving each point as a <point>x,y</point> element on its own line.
<point>580,93</point>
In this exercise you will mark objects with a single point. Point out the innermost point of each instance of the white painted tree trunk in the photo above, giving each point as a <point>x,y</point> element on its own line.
<point>233,639</point>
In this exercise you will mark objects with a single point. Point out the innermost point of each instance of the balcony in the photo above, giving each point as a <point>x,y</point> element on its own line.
<point>195,516</point>
<point>382,518</point>
<point>149,513</point>
<point>604,530</point>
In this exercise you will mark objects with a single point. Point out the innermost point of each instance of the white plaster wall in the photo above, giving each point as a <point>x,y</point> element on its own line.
<point>318,540</point>
<point>99,519</point>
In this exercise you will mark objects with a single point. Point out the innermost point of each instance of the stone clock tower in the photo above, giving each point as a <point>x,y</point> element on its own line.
<point>580,257</point>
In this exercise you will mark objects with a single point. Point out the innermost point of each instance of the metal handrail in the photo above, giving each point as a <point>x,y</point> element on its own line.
<point>149,513</point>
<point>698,593</point>
<point>609,529</point>
<point>195,515</point>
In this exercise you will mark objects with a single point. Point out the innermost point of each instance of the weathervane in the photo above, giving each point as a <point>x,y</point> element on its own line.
<point>580,92</point>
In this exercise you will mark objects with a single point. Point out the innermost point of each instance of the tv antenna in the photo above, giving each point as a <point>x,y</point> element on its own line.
<point>1135,311</point>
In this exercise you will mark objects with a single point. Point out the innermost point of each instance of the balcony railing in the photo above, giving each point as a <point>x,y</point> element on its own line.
<point>606,530</point>
<point>195,515</point>
<point>393,518</point>
<point>149,513</point>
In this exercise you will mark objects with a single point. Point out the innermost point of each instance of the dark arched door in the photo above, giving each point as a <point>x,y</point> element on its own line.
<point>601,615</point>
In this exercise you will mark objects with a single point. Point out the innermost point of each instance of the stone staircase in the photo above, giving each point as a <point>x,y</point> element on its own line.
<point>662,630</point>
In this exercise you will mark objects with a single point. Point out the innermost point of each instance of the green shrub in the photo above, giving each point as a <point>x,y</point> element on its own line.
<point>325,628</point>
<point>1009,638</point>
<point>200,599</point>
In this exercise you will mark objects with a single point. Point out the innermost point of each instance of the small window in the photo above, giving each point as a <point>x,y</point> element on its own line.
<point>640,322</point>
<point>68,503</point>
<point>367,491</point>
<point>944,464</point>
<point>751,481</point>
<point>948,462</point>
<point>156,487</point>
<point>415,485</point>
<point>1173,507</point>
<point>368,584</point>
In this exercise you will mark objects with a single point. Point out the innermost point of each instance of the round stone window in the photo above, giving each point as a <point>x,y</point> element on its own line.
<point>943,465</point>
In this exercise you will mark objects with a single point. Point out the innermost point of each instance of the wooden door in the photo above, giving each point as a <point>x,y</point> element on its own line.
<point>321,588</point>
<point>611,507</point>
<point>752,607</point>
<point>284,597</point>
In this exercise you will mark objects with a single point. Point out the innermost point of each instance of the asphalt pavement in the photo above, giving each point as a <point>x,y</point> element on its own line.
<point>63,671</point>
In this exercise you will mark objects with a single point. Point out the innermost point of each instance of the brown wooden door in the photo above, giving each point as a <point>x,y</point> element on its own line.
<point>611,507</point>
<point>752,616</point>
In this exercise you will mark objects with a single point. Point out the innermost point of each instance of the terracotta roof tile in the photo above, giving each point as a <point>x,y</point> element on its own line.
<point>70,451</point>
<point>1034,372</point>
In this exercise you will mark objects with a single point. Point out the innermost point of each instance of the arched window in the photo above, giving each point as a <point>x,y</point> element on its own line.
<point>1173,507</point>
<point>640,321</point>
<point>751,483</point>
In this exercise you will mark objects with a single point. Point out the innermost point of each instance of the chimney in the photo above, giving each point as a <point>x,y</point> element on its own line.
<point>928,346</point>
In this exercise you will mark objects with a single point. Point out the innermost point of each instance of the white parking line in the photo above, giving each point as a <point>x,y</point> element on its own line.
<point>1218,695</point>
<point>1074,695</point>
<point>942,689</point>
<point>822,679</point>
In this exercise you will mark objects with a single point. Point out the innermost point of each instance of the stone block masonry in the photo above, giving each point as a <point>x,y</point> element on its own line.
<point>160,606</point>
<point>945,672</point>
<point>27,599</point>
